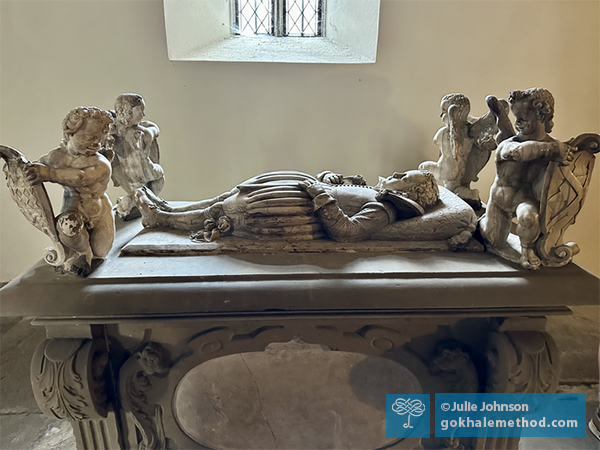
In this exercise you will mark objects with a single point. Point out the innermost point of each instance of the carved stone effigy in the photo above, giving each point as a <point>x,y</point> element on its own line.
<point>294,212</point>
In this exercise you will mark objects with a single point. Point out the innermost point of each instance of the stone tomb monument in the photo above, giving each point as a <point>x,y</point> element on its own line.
<point>140,353</point>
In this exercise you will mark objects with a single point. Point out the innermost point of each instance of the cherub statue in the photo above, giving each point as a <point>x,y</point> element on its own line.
<point>465,144</point>
<point>294,205</point>
<point>136,161</point>
<point>84,230</point>
<point>540,181</point>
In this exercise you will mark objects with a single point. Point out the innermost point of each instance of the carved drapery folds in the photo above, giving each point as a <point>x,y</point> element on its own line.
<point>67,376</point>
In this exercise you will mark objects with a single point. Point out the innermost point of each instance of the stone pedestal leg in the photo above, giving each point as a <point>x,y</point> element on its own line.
<point>519,361</point>
<point>68,381</point>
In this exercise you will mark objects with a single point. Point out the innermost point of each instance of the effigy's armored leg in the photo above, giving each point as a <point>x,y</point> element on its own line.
<point>68,376</point>
<point>521,358</point>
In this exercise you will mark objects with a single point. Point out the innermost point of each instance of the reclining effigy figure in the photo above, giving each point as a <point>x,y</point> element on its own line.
<point>465,144</point>
<point>540,181</point>
<point>84,230</point>
<point>297,206</point>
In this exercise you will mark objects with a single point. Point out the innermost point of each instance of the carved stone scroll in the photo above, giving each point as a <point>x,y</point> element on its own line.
<point>67,376</point>
<point>519,362</point>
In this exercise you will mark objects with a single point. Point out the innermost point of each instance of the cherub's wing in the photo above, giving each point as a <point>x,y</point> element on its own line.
<point>563,194</point>
<point>32,200</point>
<point>483,130</point>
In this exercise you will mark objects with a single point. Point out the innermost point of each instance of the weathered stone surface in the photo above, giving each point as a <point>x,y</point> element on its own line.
<point>35,432</point>
<point>291,396</point>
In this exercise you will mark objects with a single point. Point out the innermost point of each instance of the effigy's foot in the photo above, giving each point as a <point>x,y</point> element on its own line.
<point>160,203</point>
<point>148,209</point>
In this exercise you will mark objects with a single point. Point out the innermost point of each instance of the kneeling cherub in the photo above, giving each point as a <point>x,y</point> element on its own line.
<point>85,225</point>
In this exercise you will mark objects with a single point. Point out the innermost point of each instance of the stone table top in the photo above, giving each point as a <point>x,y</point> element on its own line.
<point>406,283</point>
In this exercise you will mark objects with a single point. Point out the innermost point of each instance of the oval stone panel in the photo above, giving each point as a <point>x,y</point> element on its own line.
<point>291,396</point>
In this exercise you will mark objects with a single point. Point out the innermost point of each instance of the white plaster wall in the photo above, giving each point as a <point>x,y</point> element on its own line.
<point>182,21</point>
<point>224,122</point>
<point>350,22</point>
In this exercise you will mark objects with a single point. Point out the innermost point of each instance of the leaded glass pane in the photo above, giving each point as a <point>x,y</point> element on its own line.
<point>254,17</point>
<point>302,17</point>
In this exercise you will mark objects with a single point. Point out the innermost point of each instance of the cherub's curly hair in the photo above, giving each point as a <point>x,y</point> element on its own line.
<point>459,100</point>
<point>541,99</point>
<point>425,193</point>
<point>74,120</point>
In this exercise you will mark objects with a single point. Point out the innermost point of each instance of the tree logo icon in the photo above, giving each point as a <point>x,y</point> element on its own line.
<point>413,408</point>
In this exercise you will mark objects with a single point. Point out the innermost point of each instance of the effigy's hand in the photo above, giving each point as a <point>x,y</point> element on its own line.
<point>37,173</point>
<point>357,179</point>
<point>334,178</point>
<point>312,188</point>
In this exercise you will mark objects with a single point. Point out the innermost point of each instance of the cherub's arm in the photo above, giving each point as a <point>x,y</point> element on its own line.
<point>151,129</point>
<point>69,176</point>
<point>511,150</point>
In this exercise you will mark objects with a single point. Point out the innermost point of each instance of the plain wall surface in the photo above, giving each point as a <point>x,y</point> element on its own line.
<point>222,123</point>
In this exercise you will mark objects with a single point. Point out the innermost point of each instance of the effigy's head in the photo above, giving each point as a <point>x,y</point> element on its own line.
<point>531,106</point>
<point>130,109</point>
<point>84,129</point>
<point>459,100</point>
<point>418,185</point>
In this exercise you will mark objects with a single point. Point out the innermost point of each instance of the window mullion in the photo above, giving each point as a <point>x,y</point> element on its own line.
<point>280,17</point>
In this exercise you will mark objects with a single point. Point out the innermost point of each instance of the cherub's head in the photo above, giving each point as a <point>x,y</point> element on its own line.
<point>84,129</point>
<point>532,109</point>
<point>130,109</point>
<point>418,185</point>
<point>462,102</point>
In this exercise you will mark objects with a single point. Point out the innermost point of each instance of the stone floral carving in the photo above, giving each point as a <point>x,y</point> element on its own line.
<point>540,181</point>
<point>84,230</point>
<point>153,359</point>
<point>297,206</point>
<point>137,156</point>
<point>522,362</point>
<point>67,376</point>
<point>465,144</point>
